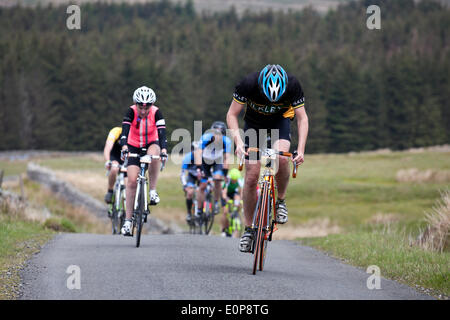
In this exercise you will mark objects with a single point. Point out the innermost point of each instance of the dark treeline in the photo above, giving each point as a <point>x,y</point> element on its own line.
<point>365,89</point>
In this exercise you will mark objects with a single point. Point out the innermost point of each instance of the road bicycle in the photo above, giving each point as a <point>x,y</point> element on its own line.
<point>118,201</point>
<point>263,224</point>
<point>204,222</point>
<point>234,219</point>
<point>141,208</point>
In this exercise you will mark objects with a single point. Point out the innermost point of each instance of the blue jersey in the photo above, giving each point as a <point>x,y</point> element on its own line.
<point>189,163</point>
<point>212,150</point>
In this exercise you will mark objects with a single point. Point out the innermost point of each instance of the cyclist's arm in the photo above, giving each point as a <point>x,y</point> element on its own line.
<point>126,124</point>
<point>161,127</point>
<point>233,124</point>
<point>302,125</point>
<point>183,177</point>
<point>107,150</point>
<point>198,157</point>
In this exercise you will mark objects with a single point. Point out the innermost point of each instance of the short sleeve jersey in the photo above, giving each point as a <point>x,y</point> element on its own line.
<point>211,150</point>
<point>189,164</point>
<point>260,110</point>
<point>114,136</point>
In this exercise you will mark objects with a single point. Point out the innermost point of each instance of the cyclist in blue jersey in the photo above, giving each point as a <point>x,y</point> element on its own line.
<point>213,154</point>
<point>189,180</point>
<point>271,97</point>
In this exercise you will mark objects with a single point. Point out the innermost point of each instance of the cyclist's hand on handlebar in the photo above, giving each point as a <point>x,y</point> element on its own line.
<point>123,152</point>
<point>299,158</point>
<point>108,165</point>
<point>240,150</point>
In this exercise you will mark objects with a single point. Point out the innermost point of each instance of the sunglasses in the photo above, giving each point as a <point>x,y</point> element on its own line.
<point>144,106</point>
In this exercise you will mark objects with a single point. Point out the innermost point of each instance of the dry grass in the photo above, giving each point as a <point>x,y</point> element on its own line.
<point>383,218</point>
<point>12,208</point>
<point>435,237</point>
<point>92,183</point>
<point>319,227</point>
<point>429,175</point>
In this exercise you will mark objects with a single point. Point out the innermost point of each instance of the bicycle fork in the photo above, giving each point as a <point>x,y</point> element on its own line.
<point>142,181</point>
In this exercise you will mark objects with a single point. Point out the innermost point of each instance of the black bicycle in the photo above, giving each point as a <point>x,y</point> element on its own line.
<point>141,205</point>
<point>205,220</point>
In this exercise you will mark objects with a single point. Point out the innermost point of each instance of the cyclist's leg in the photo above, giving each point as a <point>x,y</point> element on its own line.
<point>237,201</point>
<point>283,144</point>
<point>113,174</point>
<point>218,178</point>
<point>252,170</point>
<point>224,219</point>
<point>132,174</point>
<point>115,161</point>
<point>202,187</point>
<point>283,173</point>
<point>132,171</point>
<point>189,197</point>
<point>154,167</point>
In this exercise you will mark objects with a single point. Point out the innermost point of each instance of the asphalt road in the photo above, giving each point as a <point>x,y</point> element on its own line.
<point>194,267</point>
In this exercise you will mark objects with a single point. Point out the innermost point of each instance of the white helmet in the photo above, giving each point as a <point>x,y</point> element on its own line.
<point>144,95</point>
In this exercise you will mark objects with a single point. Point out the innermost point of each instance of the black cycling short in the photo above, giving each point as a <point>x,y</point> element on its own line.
<point>231,195</point>
<point>114,156</point>
<point>256,135</point>
<point>216,169</point>
<point>134,161</point>
<point>191,181</point>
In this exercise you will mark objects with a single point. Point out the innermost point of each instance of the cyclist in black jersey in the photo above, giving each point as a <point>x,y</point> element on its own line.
<point>111,153</point>
<point>272,98</point>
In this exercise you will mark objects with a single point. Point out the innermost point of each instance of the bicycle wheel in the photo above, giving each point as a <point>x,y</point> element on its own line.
<point>259,247</point>
<point>139,216</point>
<point>267,234</point>
<point>115,220</point>
<point>122,213</point>
<point>208,215</point>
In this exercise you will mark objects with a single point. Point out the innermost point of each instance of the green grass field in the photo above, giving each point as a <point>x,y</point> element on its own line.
<point>352,206</point>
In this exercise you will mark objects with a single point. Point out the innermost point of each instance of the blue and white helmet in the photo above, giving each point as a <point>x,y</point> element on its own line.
<point>273,81</point>
<point>144,95</point>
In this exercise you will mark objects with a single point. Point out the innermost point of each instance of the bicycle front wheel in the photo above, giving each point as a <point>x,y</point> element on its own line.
<point>259,251</point>
<point>208,217</point>
<point>139,216</point>
<point>115,220</point>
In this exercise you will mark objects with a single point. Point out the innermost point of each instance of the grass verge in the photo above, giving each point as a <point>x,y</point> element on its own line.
<point>389,249</point>
<point>19,240</point>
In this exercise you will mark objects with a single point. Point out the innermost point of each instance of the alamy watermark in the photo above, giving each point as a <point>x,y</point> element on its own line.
<point>374,20</point>
<point>73,22</point>
<point>254,138</point>
<point>74,280</point>
<point>374,281</point>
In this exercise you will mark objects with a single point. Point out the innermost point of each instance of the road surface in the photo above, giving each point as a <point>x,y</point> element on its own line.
<point>193,267</point>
